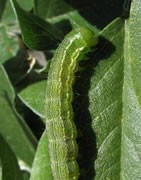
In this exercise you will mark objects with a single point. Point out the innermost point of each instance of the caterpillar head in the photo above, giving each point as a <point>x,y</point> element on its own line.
<point>89,37</point>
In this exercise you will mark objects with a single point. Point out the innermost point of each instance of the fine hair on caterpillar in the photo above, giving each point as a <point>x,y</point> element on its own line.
<point>61,130</point>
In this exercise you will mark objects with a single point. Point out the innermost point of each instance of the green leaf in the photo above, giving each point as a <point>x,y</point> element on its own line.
<point>26,5</point>
<point>61,14</point>
<point>106,103</point>
<point>115,101</point>
<point>37,33</point>
<point>12,126</point>
<point>2,7</point>
<point>131,117</point>
<point>41,168</point>
<point>8,17</point>
<point>8,45</point>
<point>51,8</point>
<point>133,48</point>
<point>34,97</point>
<point>10,168</point>
<point>79,13</point>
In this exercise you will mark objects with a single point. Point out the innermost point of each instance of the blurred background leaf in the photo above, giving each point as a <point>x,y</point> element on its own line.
<point>9,163</point>
<point>34,97</point>
<point>97,13</point>
<point>41,168</point>
<point>36,33</point>
<point>7,15</point>
<point>12,126</point>
<point>8,45</point>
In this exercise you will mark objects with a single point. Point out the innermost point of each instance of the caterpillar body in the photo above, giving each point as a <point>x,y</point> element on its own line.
<point>61,129</point>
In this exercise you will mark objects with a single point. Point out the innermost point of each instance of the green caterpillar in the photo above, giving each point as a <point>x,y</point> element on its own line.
<point>61,129</point>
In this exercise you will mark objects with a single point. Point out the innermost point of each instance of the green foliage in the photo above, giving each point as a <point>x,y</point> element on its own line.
<point>41,33</point>
<point>106,104</point>
<point>107,99</point>
<point>41,166</point>
<point>10,168</point>
<point>36,92</point>
<point>12,126</point>
<point>8,45</point>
